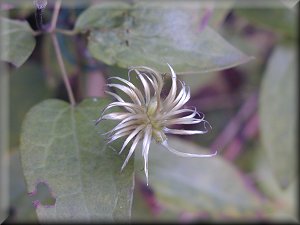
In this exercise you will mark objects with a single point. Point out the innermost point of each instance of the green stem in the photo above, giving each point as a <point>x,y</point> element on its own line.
<point>63,68</point>
<point>55,16</point>
<point>66,32</point>
<point>57,30</point>
<point>58,52</point>
<point>36,33</point>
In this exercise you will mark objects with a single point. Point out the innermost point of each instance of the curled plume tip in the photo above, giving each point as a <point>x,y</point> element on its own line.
<point>147,116</point>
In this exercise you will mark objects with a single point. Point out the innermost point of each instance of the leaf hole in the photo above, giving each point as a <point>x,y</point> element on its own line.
<point>42,195</point>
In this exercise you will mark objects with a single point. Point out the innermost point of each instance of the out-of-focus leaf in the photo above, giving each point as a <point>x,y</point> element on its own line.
<point>265,178</point>
<point>199,185</point>
<point>196,82</point>
<point>278,104</point>
<point>290,196</point>
<point>145,209</point>
<point>290,3</point>
<point>154,34</point>
<point>141,212</point>
<point>277,19</point>
<point>282,217</point>
<point>60,146</point>
<point>219,12</point>
<point>27,88</point>
<point>2,217</point>
<point>283,203</point>
<point>17,41</point>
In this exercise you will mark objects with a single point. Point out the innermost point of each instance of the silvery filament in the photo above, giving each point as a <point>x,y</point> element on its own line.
<point>40,4</point>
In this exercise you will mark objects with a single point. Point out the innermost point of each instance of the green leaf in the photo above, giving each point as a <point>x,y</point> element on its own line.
<point>278,113</point>
<point>112,14</point>
<point>197,82</point>
<point>282,202</point>
<point>194,185</point>
<point>17,41</point>
<point>20,201</point>
<point>61,146</point>
<point>144,209</point>
<point>219,12</point>
<point>154,34</point>
<point>27,88</point>
<point>281,20</point>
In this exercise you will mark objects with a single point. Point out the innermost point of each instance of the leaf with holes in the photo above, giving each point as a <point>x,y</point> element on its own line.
<point>154,34</point>
<point>278,113</point>
<point>17,41</point>
<point>61,147</point>
<point>210,186</point>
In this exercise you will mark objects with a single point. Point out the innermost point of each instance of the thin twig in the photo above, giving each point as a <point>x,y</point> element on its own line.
<point>66,32</point>
<point>58,52</point>
<point>63,69</point>
<point>234,125</point>
<point>52,28</point>
<point>36,33</point>
<point>248,132</point>
<point>55,16</point>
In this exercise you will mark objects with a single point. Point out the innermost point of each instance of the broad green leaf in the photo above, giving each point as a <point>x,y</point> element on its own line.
<point>265,178</point>
<point>27,88</point>
<point>154,34</point>
<point>17,41</point>
<point>278,104</point>
<point>281,20</point>
<point>61,147</point>
<point>113,14</point>
<point>20,202</point>
<point>198,185</point>
<point>283,203</point>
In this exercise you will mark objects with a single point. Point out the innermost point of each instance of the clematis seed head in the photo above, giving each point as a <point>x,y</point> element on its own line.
<point>148,116</point>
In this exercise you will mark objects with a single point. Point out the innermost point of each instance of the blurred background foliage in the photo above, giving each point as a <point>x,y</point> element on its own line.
<point>251,107</point>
